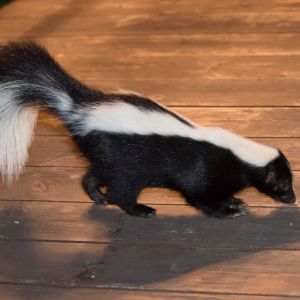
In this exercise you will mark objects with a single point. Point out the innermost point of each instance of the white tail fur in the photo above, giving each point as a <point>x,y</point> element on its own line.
<point>17,124</point>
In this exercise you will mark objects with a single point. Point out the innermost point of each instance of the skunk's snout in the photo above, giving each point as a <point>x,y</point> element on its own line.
<point>290,198</point>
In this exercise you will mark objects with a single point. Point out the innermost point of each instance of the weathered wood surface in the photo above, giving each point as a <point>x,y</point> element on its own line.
<point>63,184</point>
<point>63,293</point>
<point>250,121</point>
<point>233,64</point>
<point>206,76</point>
<point>150,21</point>
<point>188,269</point>
<point>178,225</point>
<point>143,66</point>
<point>25,8</point>
<point>161,45</point>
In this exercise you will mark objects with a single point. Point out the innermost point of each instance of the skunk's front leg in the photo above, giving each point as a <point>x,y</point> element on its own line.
<point>125,196</point>
<point>218,206</point>
<point>91,185</point>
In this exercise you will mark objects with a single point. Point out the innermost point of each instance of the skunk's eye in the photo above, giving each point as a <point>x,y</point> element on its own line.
<point>284,187</point>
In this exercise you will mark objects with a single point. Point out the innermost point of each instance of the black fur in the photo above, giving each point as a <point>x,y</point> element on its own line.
<point>207,176</point>
<point>32,64</point>
<point>276,180</point>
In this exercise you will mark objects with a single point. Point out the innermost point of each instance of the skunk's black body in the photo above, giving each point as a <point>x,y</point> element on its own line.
<point>205,174</point>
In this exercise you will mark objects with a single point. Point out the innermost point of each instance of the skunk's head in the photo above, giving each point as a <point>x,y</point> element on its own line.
<point>276,180</point>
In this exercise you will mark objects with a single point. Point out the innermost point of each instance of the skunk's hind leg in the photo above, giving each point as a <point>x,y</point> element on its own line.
<point>125,194</point>
<point>91,185</point>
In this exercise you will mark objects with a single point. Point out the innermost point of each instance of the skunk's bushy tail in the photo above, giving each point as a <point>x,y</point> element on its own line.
<point>30,78</point>
<point>16,132</point>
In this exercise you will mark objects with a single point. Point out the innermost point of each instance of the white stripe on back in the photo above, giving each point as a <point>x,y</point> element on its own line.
<point>121,117</point>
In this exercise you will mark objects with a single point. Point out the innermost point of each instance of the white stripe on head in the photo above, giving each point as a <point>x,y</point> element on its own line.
<point>121,117</point>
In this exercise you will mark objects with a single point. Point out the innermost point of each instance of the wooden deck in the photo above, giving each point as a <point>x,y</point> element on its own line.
<point>229,63</point>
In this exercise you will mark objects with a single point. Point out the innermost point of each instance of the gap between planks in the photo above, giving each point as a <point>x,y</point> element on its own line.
<point>96,293</point>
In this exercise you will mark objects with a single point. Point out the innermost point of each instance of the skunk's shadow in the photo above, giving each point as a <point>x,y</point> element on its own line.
<point>138,251</point>
<point>165,247</point>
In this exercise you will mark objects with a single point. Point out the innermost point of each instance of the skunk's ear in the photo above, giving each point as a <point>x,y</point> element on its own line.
<point>271,174</point>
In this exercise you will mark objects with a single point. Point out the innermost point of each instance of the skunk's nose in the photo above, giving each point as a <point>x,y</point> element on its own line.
<point>290,198</point>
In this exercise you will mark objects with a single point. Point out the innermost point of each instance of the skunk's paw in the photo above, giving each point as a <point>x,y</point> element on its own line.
<point>230,212</point>
<point>235,203</point>
<point>141,210</point>
<point>98,198</point>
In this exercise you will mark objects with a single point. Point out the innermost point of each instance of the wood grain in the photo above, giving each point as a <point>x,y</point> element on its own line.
<point>230,63</point>
<point>149,22</point>
<point>94,46</point>
<point>158,268</point>
<point>221,80</point>
<point>96,8</point>
<point>63,184</point>
<point>64,153</point>
<point>216,92</point>
<point>173,44</point>
<point>174,225</point>
<point>250,122</point>
<point>199,67</point>
<point>17,292</point>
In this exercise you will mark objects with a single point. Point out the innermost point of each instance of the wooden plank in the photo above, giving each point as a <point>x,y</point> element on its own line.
<point>18,292</point>
<point>251,121</point>
<point>63,184</point>
<point>144,267</point>
<point>120,257</point>
<point>217,92</point>
<point>172,44</point>
<point>150,22</point>
<point>60,151</point>
<point>216,81</point>
<point>196,68</point>
<point>174,226</point>
<point>210,92</point>
<point>96,8</point>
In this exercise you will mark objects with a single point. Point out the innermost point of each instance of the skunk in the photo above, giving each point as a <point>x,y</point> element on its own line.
<point>131,141</point>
